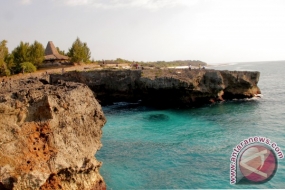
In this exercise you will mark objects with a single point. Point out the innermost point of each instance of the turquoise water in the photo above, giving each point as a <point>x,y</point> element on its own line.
<point>144,148</point>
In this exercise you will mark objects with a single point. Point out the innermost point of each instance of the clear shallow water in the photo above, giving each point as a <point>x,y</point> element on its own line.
<point>145,148</point>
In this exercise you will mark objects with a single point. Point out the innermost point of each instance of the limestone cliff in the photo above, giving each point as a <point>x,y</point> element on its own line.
<point>49,135</point>
<point>167,88</point>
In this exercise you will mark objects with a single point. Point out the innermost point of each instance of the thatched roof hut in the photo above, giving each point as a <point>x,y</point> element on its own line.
<point>52,55</point>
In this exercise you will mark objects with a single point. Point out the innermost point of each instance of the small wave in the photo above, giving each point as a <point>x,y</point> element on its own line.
<point>255,98</point>
<point>248,99</point>
<point>259,95</point>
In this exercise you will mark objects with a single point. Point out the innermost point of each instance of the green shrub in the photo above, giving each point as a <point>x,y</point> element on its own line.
<point>28,67</point>
<point>7,72</point>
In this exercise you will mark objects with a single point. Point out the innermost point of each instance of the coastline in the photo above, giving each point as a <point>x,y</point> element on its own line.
<point>193,145</point>
<point>161,88</point>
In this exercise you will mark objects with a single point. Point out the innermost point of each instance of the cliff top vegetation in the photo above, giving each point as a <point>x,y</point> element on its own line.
<point>30,57</point>
<point>157,64</point>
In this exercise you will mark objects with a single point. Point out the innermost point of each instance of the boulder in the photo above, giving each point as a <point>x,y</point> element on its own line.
<point>49,135</point>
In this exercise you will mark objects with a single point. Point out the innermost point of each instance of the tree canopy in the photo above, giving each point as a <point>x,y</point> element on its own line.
<point>3,56</point>
<point>3,50</point>
<point>36,53</point>
<point>79,51</point>
<point>24,52</point>
<point>20,55</point>
<point>12,63</point>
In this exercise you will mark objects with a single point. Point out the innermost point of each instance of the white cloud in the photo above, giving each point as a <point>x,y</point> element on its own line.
<point>77,2</point>
<point>26,2</point>
<point>148,4</point>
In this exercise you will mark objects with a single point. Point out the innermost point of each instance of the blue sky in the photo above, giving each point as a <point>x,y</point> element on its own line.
<point>214,31</point>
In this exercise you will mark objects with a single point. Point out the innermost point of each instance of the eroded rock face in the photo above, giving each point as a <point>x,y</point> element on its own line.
<point>167,88</point>
<point>49,135</point>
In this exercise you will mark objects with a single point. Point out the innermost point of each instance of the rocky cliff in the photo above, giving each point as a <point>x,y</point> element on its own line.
<point>49,135</point>
<point>166,88</point>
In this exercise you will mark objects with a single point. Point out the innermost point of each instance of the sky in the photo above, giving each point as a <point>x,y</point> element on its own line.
<point>213,31</point>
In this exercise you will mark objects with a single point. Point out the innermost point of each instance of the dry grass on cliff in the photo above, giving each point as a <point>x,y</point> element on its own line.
<point>148,73</point>
<point>174,73</point>
<point>57,69</point>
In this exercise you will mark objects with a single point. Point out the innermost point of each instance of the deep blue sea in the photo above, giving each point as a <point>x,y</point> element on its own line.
<point>144,148</point>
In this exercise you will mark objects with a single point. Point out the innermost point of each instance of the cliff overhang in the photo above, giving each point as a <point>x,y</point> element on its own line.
<point>166,88</point>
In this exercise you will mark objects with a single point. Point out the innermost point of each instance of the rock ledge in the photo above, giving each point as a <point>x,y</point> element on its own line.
<point>49,135</point>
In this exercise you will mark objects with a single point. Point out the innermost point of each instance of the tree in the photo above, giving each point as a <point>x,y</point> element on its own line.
<point>3,55</point>
<point>20,54</point>
<point>79,51</point>
<point>9,60</point>
<point>33,53</point>
<point>60,51</point>
<point>36,53</point>
<point>3,50</point>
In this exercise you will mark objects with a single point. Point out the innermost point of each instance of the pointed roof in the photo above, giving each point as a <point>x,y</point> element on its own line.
<point>52,53</point>
<point>50,49</point>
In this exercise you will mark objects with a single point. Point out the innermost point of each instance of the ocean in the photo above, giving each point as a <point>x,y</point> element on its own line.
<point>145,148</point>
